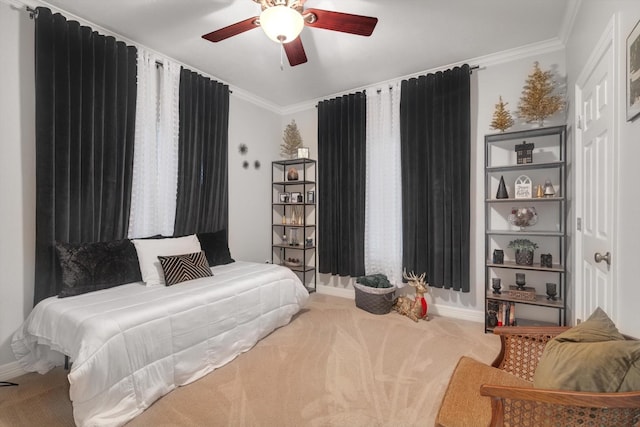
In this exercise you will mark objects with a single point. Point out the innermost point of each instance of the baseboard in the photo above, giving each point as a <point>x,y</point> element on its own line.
<point>336,292</point>
<point>438,309</point>
<point>457,313</point>
<point>10,370</point>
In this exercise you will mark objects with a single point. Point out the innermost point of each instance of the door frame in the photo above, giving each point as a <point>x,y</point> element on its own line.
<point>608,40</point>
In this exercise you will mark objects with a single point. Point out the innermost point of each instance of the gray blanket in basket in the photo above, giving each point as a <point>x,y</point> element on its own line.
<point>374,281</point>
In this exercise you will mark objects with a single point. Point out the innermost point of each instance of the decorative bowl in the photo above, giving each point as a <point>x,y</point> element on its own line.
<point>523,217</point>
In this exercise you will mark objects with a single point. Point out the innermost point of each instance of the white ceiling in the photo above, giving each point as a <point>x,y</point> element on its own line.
<point>411,36</point>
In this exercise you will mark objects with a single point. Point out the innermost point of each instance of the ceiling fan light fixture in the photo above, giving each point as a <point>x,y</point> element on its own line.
<point>281,23</point>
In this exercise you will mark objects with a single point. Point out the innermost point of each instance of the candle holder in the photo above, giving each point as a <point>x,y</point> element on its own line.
<point>520,280</point>
<point>496,285</point>
<point>498,256</point>
<point>551,291</point>
<point>546,261</point>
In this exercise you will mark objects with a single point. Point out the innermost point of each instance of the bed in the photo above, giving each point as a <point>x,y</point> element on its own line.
<point>131,344</point>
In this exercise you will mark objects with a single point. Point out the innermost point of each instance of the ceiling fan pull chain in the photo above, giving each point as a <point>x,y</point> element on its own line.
<point>281,56</point>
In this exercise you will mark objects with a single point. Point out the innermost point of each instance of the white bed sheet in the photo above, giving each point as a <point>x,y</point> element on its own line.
<point>132,344</point>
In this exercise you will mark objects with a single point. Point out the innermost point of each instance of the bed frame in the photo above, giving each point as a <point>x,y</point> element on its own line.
<point>127,346</point>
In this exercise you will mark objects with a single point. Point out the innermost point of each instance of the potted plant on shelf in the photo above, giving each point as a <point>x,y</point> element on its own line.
<point>524,250</point>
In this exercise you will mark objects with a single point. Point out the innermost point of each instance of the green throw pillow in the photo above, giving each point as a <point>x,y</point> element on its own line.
<point>597,328</point>
<point>592,356</point>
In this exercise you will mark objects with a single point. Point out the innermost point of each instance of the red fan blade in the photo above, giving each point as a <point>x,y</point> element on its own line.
<point>343,22</point>
<point>232,30</point>
<point>295,52</point>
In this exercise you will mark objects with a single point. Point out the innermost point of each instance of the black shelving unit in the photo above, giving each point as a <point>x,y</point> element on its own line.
<point>296,245</point>
<point>548,162</point>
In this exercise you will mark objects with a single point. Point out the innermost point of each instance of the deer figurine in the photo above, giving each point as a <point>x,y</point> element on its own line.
<point>415,309</point>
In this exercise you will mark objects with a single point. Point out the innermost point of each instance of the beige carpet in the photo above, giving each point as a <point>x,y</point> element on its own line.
<point>334,365</point>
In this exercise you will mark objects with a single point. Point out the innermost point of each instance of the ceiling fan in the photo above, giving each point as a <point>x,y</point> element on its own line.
<point>283,20</point>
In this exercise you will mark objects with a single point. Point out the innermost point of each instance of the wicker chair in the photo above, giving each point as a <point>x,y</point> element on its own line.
<point>523,405</point>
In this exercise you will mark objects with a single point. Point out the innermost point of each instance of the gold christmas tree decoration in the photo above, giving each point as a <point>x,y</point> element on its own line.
<point>292,141</point>
<point>502,119</point>
<point>537,101</point>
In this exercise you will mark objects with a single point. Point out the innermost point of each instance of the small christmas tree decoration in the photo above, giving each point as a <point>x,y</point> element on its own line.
<point>537,101</point>
<point>502,119</point>
<point>292,141</point>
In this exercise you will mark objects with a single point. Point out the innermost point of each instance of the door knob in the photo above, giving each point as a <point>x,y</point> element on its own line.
<point>606,257</point>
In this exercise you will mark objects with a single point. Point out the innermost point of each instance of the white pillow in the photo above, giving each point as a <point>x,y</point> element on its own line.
<point>149,249</point>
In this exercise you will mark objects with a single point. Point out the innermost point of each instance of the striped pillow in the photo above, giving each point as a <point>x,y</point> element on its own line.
<point>180,268</point>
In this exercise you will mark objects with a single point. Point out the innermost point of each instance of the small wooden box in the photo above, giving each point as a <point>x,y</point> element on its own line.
<point>526,294</point>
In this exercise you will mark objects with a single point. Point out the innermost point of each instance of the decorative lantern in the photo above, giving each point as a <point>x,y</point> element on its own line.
<point>524,153</point>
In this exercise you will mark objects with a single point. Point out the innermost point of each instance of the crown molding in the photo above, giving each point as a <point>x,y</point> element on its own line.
<point>569,19</point>
<point>18,4</point>
<point>235,90</point>
<point>526,51</point>
<point>256,100</point>
<point>302,106</point>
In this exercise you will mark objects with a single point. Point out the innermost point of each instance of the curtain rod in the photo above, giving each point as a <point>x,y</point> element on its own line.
<point>471,68</point>
<point>33,13</point>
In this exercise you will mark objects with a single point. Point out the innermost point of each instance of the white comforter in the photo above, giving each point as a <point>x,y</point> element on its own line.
<point>132,344</point>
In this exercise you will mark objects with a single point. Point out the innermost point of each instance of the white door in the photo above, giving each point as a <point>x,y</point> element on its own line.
<point>596,187</point>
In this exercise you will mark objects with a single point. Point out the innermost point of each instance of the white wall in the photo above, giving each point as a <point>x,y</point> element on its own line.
<point>501,76</point>
<point>307,122</point>
<point>261,130</point>
<point>507,80</point>
<point>250,189</point>
<point>17,175</point>
<point>593,17</point>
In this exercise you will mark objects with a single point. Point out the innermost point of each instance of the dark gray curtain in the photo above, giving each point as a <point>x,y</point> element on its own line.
<point>85,114</point>
<point>341,184</point>
<point>435,141</point>
<point>203,203</point>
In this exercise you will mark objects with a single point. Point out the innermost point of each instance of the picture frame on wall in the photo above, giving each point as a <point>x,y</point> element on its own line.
<point>633,73</point>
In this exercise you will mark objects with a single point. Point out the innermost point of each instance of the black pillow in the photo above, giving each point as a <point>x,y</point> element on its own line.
<point>181,268</point>
<point>88,267</point>
<point>215,247</point>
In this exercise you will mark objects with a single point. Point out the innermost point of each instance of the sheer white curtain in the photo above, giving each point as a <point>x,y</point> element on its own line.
<point>383,214</point>
<point>155,160</point>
